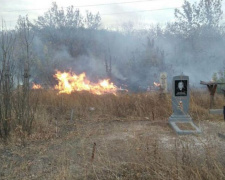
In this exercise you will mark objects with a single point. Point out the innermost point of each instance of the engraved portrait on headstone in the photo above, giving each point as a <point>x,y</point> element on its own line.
<point>180,87</point>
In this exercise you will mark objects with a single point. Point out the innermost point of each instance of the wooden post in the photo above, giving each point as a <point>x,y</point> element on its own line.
<point>224,112</point>
<point>71,115</point>
<point>212,90</point>
<point>211,101</point>
<point>93,152</point>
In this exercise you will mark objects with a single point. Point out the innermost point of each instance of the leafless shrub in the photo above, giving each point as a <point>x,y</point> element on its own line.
<point>7,40</point>
<point>24,109</point>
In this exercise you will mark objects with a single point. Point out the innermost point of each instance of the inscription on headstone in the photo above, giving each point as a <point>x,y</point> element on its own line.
<point>180,104</point>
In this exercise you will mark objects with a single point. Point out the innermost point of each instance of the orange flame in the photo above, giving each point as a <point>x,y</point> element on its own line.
<point>69,82</point>
<point>36,86</point>
<point>157,84</point>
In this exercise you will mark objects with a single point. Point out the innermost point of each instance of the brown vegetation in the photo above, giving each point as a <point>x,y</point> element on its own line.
<point>113,137</point>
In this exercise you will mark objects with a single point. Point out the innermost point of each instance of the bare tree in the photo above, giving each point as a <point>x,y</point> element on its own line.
<point>7,40</point>
<point>23,107</point>
<point>207,13</point>
<point>92,21</point>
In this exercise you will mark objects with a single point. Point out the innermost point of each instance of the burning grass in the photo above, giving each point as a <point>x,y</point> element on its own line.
<point>69,82</point>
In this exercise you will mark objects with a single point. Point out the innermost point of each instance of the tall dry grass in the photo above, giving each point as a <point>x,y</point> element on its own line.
<point>149,158</point>
<point>87,150</point>
<point>53,109</point>
<point>152,105</point>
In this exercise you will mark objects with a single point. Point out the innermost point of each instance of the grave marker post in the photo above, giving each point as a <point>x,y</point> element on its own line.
<point>163,82</point>
<point>180,103</point>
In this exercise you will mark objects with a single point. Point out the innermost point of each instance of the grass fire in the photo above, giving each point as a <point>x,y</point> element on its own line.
<point>126,90</point>
<point>69,82</point>
<point>36,86</point>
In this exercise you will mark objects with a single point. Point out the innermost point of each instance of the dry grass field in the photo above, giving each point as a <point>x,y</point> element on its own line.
<point>114,137</point>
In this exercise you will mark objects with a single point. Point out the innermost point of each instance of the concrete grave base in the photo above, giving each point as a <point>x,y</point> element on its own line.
<point>216,111</point>
<point>185,119</point>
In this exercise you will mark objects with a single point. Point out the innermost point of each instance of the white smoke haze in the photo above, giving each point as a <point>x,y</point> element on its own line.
<point>137,52</point>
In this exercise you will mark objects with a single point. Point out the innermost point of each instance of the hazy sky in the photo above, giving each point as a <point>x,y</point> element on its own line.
<point>11,9</point>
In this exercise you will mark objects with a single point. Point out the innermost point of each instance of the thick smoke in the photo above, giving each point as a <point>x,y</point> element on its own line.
<point>129,59</point>
<point>132,57</point>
